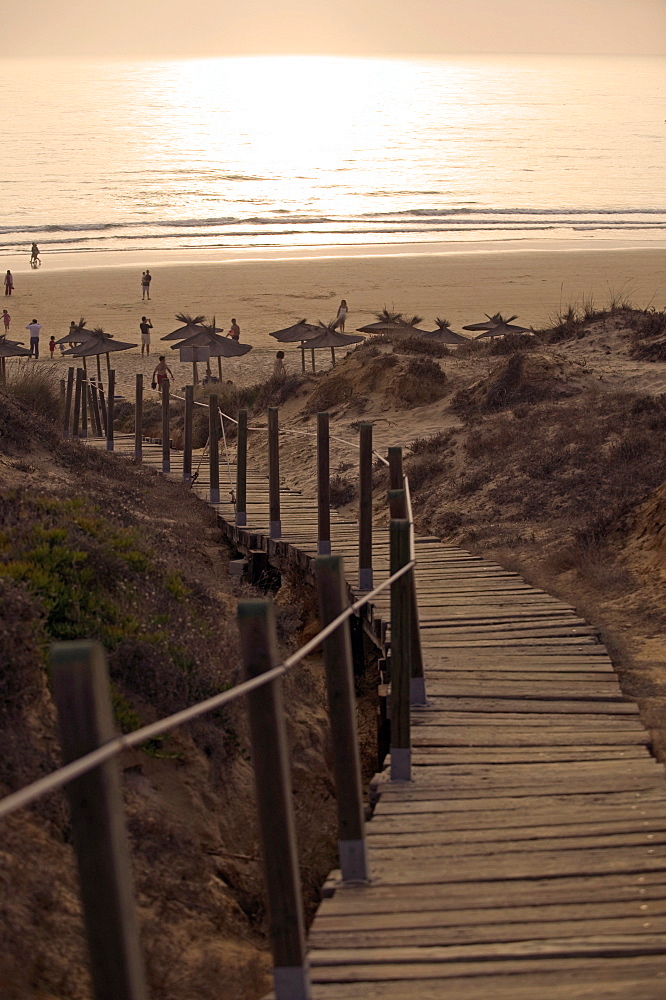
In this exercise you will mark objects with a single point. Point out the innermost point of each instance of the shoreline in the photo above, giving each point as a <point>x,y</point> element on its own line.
<point>76,260</point>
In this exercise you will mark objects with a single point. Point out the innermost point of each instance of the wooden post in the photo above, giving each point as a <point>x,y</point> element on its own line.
<point>85,719</point>
<point>68,402</point>
<point>94,406</point>
<point>401,754</point>
<point>323,486</point>
<point>365,575</point>
<point>110,407</point>
<point>83,433</point>
<point>138,419</point>
<point>63,384</point>
<point>398,509</point>
<point>102,405</point>
<point>332,594</point>
<point>274,473</point>
<point>188,433</point>
<point>77,402</point>
<point>303,357</point>
<point>241,470</point>
<point>213,450</point>
<point>270,756</point>
<point>395,469</point>
<point>166,426</point>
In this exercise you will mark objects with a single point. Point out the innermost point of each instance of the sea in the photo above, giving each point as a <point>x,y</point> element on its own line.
<point>286,152</point>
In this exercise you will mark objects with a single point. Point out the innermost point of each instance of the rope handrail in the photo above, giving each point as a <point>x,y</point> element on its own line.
<point>51,782</point>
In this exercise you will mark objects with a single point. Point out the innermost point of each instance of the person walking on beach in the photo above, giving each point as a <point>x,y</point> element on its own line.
<point>279,369</point>
<point>342,316</point>
<point>6,319</point>
<point>35,329</point>
<point>34,256</point>
<point>9,283</point>
<point>145,326</point>
<point>234,332</point>
<point>162,373</point>
<point>146,279</point>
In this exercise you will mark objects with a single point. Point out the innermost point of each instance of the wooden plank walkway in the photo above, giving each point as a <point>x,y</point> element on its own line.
<point>527,858</point>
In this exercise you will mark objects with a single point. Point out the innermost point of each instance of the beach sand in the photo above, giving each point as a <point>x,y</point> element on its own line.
<point>266,294</point>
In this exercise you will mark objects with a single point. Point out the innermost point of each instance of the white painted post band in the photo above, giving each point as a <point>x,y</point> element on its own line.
<point>354,860</point>
<point>292,983</point>
<point>401,764</point>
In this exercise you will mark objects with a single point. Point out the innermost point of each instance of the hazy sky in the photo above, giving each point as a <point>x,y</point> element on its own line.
<point>373,27</point>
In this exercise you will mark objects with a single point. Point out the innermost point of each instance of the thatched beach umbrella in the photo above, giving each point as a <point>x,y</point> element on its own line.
<point>191,325</point>
<point>328,336</point>
<point>218,347</point>
<point>490,322</point>
<point>501,330</point>
<point>392,322</point>
<point>444,335</point>
<point>10,349</point>
<point>299,333</point>
<point>98,342</point>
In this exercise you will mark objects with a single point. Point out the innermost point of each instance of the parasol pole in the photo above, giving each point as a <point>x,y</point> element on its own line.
<point>99,368</point>
<point>303,356</point>
<point>108,362</point>
<point>313,363</point>
<point>219,366</point>
<point>333,355</point>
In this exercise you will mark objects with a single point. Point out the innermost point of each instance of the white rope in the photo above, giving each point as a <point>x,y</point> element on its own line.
<point>82,765</point>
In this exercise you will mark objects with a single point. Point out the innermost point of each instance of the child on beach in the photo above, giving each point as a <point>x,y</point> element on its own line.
<point>6,319</point>
<point>279,369</point>
<point>161,373</point>
<point>9,283</point>
<point>52,347</point>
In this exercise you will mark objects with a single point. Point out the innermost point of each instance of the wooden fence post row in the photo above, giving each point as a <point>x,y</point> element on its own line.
<point>85,717</point>
<point>274,473</point>
<point>323,486</point>
<point>68,403</point>
<point>332,594</point>
<point>274,802</point>
<point>365,574</point>
<point>398,509</point>
<point>401,644</point>
<point>213,449</point>
<point>110,408</point>
<point>138,419</point>
<point>241,470</point>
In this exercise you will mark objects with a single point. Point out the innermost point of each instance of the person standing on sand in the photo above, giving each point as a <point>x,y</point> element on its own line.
<point>73,332</point>
<point>6,319</point>
<point>52,348</point>
<point>9,283</point>
<point>234,332</point>
<point>35,329</point>
<point>342,316</point>
<point>146,279</point>
<point>145,326</point>
<point>279,369</point>
<point>162,372</point>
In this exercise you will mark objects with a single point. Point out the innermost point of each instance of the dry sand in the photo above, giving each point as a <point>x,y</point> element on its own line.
<point>268,294</point>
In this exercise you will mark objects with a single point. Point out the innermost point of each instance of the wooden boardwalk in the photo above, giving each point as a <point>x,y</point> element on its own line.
<point>527,858</point>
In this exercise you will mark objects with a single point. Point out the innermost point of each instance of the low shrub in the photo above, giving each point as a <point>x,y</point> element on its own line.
<point>37,387</point>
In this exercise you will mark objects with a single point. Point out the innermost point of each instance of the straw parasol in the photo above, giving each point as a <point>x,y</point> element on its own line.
<point>444,335</point>
<point>97,342</point>
<point>191,325</point>
<point>10,349</point>
<point>393,322</point>
<point>218,347</point>
<point>299,333</point>
<point>490,322</point>
<point>328,336</point>
<point>501,327</point>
